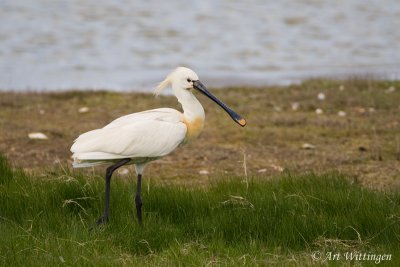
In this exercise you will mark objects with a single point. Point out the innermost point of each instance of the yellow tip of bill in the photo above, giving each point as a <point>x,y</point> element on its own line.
<point>242,122</point>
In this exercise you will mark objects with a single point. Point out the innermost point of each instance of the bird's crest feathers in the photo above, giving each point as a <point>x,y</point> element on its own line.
<point>179,72</point>
<point>162,85</point>
<point>167,82</point>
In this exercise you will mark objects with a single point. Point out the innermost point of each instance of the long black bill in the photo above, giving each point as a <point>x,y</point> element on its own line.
<point>236,117</point>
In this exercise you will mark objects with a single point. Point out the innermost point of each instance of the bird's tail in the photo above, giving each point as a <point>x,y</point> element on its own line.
<point>85,164</point>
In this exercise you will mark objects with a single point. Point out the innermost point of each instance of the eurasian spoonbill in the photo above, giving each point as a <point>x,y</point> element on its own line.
<point>142,137</point>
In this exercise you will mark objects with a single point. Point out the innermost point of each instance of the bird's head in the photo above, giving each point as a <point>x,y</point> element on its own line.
<point>180,78</point>
<point>185,79</point>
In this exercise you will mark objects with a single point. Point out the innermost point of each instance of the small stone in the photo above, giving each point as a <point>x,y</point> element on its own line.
<point>295,106</point>
<point>362,148</point>
<point>391,89</point>
<point>278,109</point>
<point>371,110</point>
<point>123,171</point>
<point>41,112</point>
<point>38,136</point>
<point>262,170</point>
<point>360,110</point>
<point>308,146</point>
<point>321,96</point>
<point>203,172</point>
<point>83,109</point>
<point>342,113</point>
<point>319,111</point>
<point>277,168</point>
<point>341,88</point>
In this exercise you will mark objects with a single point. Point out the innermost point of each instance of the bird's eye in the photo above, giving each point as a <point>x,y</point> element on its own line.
<point>188,80</point>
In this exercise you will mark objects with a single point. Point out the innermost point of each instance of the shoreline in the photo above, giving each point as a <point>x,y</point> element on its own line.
<point>219,80</point>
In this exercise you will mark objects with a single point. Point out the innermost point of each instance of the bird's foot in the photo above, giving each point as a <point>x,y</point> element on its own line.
<point>102,220</point>
<point>140,221</point>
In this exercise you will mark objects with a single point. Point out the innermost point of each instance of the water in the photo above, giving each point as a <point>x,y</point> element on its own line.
<point>132,45</point>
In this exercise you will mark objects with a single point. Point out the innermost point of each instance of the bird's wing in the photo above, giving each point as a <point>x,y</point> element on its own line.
<point>153,133</point>
<point>163,114</point>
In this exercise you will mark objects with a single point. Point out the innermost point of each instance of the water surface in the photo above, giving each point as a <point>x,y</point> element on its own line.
<point>132,45</point>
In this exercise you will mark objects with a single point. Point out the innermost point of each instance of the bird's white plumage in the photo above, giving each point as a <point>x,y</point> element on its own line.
<point>147,135</point>
<point>142,136</point>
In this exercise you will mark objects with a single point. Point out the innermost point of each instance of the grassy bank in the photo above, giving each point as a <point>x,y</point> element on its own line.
<point>357,132</point>
<point>45,221</point>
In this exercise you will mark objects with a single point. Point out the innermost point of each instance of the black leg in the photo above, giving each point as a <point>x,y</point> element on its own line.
<point>138,199</point>
<point>109,172</point>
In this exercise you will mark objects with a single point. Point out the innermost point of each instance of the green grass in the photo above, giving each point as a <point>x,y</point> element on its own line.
<point>46,221</point>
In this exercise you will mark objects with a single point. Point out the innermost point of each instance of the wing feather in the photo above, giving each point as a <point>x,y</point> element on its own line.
<point>149,134</point>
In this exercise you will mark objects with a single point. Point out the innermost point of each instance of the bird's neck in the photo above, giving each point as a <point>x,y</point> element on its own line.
<point>192,109</point>
<point>193,114</point>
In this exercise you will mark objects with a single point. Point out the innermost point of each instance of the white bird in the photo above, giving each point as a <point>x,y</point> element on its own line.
<point>142,137</point>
